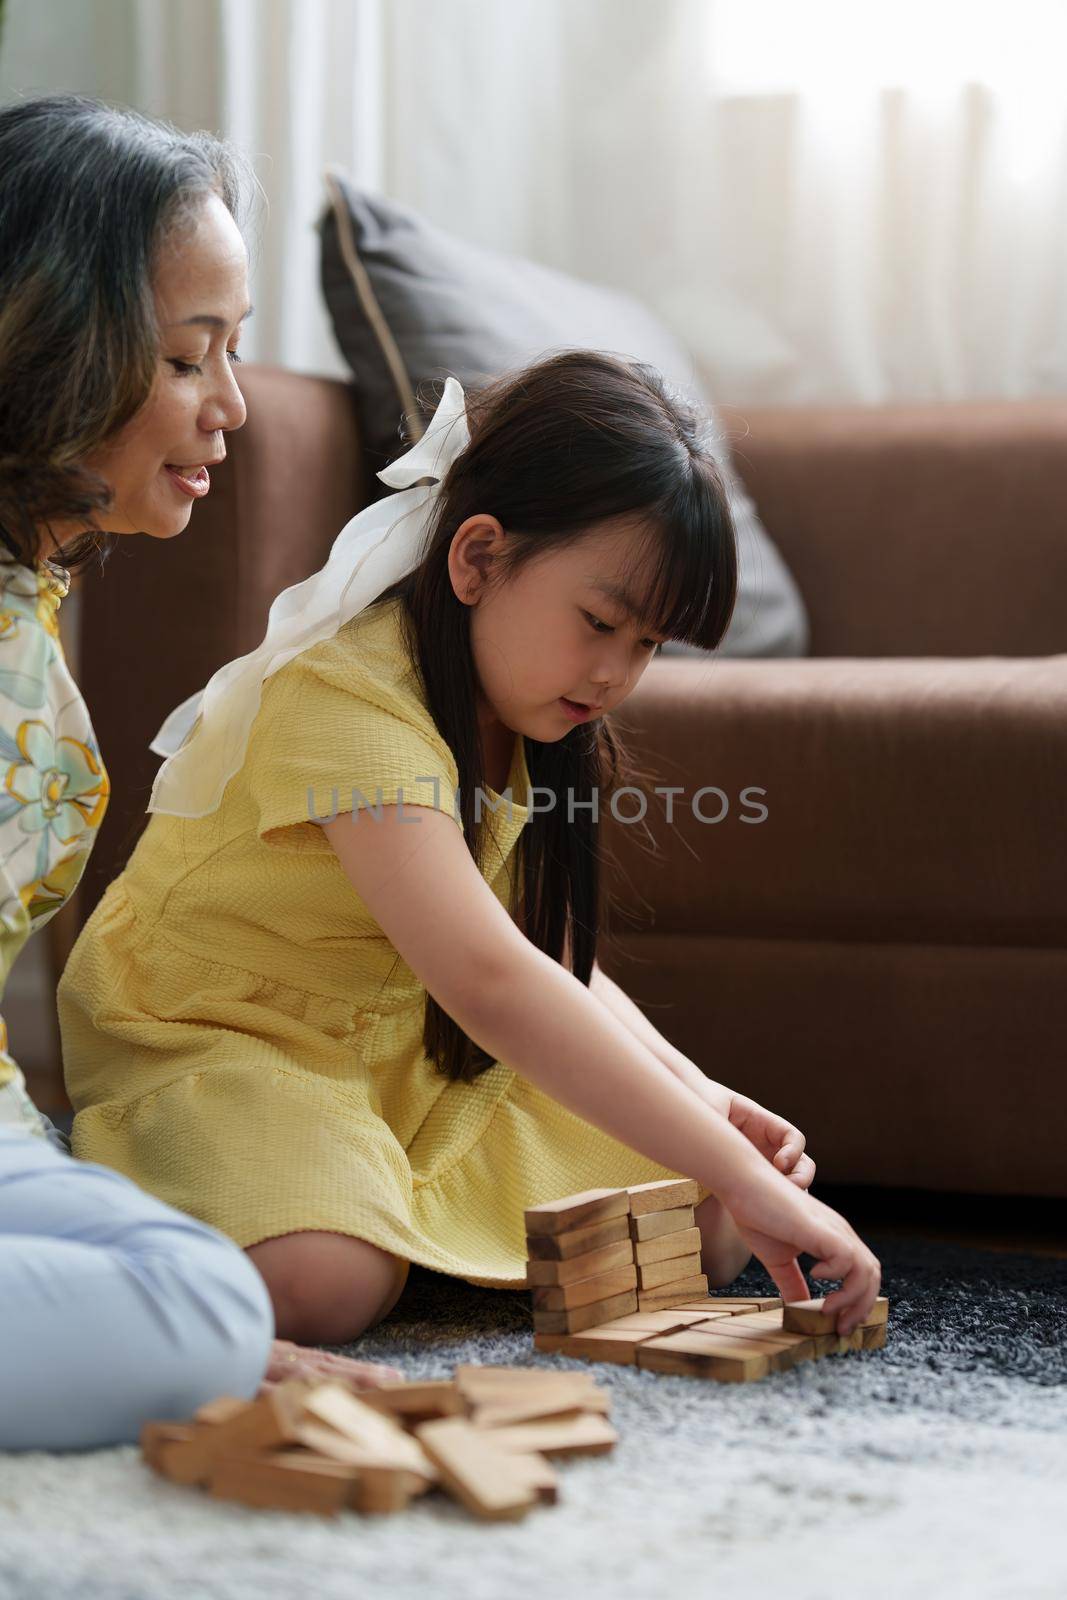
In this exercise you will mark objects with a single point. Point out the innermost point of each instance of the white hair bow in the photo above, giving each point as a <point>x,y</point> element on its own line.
<point>204,739</point>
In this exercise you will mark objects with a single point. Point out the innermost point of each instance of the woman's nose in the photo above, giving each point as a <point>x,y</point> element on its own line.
<point>225,408</point>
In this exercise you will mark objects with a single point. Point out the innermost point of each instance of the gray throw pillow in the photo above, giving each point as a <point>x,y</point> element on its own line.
<point>411,302</point>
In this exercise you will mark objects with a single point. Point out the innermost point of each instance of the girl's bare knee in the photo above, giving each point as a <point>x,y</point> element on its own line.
<point>327,1288</point>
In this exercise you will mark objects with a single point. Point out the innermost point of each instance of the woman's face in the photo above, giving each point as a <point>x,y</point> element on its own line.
<point>160,462</point>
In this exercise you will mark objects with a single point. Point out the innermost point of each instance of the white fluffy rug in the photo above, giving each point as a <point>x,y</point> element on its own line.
<point>934,1468</point>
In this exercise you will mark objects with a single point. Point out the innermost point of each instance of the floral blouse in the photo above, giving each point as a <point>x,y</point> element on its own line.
<point>54,788</point>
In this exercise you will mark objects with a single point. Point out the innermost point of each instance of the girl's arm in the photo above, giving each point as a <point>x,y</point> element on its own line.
<point>426,893</point>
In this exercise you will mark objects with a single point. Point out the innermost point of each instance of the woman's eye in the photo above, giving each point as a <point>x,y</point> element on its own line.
<point>184,367</point>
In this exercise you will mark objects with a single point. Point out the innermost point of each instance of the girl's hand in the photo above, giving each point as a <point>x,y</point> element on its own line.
<point>296,1361</point>
<point>774,1138</point>
<point>778,1222</point>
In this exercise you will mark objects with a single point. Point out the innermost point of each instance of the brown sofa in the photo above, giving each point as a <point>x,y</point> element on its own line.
<point>884,957</point>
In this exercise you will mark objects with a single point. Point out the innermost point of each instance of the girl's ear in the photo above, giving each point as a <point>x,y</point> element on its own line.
<point>474,545</point>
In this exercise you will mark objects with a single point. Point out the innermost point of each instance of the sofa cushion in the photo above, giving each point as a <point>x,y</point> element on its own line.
<point>411,302</point>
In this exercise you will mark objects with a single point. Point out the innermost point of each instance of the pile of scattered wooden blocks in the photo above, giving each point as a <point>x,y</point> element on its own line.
<point>483,1436</point>
<point>615,1276</point>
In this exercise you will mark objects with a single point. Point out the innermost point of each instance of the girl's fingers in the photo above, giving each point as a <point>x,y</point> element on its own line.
<point>803,1173</point>
<point>789,1280</point>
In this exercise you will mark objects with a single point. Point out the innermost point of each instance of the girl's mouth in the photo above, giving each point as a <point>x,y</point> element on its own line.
<point>194,481</point>
<point>576,712</point>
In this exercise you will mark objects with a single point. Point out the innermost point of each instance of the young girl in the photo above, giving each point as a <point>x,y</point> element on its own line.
<point>117,236</point>
<point>343,1001</point>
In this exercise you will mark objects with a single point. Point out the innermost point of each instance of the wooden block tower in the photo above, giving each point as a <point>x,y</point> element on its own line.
<point>607,1252</point>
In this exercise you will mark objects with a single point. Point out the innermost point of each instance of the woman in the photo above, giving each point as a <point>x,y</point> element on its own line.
<point>123,289</point>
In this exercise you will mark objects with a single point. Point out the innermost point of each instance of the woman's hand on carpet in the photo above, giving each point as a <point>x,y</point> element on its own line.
<point>288,1360</point>
<point>778,1222</point>
<point>774,1138</point>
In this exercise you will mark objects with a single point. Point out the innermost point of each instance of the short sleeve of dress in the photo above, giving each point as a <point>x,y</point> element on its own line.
<point>323,744</point>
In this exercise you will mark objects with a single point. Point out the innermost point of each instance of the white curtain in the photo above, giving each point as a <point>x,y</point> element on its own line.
<point>827,202</point>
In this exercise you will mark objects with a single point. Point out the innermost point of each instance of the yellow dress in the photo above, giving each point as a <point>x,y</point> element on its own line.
<point>240,1037</point>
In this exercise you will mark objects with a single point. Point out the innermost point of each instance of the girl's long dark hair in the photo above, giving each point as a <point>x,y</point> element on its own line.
<point>567,443</point>
<point>88,194</point>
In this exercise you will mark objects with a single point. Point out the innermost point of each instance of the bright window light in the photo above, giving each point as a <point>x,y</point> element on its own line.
<point>759,47</point>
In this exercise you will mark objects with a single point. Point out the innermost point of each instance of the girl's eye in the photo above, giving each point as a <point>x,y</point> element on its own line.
<point>184,367</point>
<point>597,626</point>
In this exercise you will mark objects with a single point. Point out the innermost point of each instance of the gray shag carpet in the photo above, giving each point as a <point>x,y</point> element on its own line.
<point>936,1467</point>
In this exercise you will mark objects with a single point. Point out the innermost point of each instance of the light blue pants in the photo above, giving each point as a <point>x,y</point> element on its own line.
<point>114,1307</point>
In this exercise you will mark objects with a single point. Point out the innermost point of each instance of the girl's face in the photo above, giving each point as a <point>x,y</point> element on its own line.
<point>559,629</point>
<point>159,463</point>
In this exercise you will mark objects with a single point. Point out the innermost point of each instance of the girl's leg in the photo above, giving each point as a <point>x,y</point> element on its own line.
<point>328,1288</point>
<point>114,1307</point>
<point>723,1253</point>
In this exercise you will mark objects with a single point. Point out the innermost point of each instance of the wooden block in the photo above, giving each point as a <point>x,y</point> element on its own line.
<point>327,1442</point>
<point>559,1398</point>
<point>541,1477</point>
<point>735,1306</point>
<point>437,1398</point>
<point>796,1346</point>
<point>668,1195</point>
<point>477,1470</point>
<point>550,1343</point>
<point>670,1294</point>
<point>681,1242</point>
<point>616,1345</point>
<point>657,1273</point>
<point>651,1322</point>
<point>577,1318</point>
<point>378,1437</point>
<point>587,1291</point>
<point>696,1355</point>
<point>156,1435</point>
<point>577,1241</point>
<point>593,1205</point>
<point>879,1313</point>
<point>266,1423</point>
<point>487,1385</point>
<point>874,1335</point>
<point>286,1480</point>
<point>655,1224</point>
<point>584,1435</point>
<point>784,1350</point>
<point>380,1490</point>
<point>833,1344</point>
<point>765,1321</point>
<point>808,1316</point>
<point>606,1259</point>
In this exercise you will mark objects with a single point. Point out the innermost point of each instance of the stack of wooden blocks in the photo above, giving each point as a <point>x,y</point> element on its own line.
<point>483,1436</point>
<point>599,1255</point>
<point>615,1276</point>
